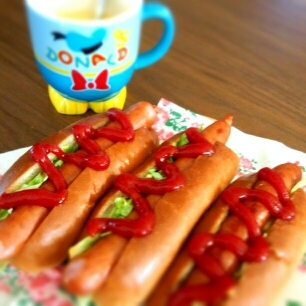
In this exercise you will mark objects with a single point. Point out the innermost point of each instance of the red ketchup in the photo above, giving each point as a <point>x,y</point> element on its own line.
<point>254,249</point>
<point>138,188</point>
<point>93,157</point>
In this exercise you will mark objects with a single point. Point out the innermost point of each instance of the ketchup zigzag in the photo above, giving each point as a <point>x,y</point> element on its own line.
<point>93,157</point>
<point>137,188</point>
<point>254,249</point>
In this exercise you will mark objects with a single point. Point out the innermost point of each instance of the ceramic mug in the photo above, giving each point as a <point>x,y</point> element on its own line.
<point>88,58</point>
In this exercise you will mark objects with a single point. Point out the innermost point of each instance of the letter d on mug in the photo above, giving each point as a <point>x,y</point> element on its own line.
<point>88,55</point>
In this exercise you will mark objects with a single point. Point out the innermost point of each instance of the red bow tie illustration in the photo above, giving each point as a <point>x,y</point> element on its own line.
<point>80,83</point>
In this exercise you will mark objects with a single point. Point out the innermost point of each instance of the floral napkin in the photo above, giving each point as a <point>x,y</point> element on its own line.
<point>21,289</point>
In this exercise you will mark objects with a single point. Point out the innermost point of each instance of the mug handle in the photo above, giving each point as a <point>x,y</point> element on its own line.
<point>155,10</point>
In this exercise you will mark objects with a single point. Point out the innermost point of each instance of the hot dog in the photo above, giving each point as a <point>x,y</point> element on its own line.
<point>87,272</point>
<point>26,223</point>
<point>250,278</point>
<point>178,208</point>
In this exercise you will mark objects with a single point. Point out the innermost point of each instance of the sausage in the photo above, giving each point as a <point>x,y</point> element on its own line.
<point>24,220</point>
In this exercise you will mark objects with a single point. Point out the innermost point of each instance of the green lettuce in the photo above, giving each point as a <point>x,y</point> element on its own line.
<point>41,177</point>
<point>3,265</point>
<point>155,173</point>
<point>36,182</point>
<point>182,141</point>
<point>4,213</point>
<point>121,208</point>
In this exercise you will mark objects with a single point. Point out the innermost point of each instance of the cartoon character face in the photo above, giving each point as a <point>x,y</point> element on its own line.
<point>87,45</point>
<point>81,43</point>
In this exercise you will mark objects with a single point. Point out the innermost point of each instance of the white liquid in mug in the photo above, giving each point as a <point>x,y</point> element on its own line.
<point>90,11</point>
<point>83,15</point>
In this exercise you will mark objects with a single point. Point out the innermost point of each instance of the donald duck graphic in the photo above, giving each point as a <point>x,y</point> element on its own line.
<point>86,45</point>
<point>80,43</point>
<point>87,67</point>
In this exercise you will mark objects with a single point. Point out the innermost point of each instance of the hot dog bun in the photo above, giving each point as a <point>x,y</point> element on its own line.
<point>260,282</point>
<point>49,244</point>
<point>270,277</point>
<point>16,229</point>
<point>144,260</point>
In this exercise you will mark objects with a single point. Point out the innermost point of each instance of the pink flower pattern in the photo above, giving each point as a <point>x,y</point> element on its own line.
<point>246,166</point>
<point>43,287</point>
<point>302,265</point>
<point>159,125</point>
<point>4,287</point>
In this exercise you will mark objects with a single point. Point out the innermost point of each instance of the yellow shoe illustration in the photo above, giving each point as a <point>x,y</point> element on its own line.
<point>66,106</point>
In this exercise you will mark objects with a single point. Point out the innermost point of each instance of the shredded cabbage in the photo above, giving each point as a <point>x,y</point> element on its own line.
<point>41,177</point>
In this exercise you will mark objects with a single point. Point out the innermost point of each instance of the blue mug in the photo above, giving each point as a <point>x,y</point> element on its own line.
<point>90,59</point>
